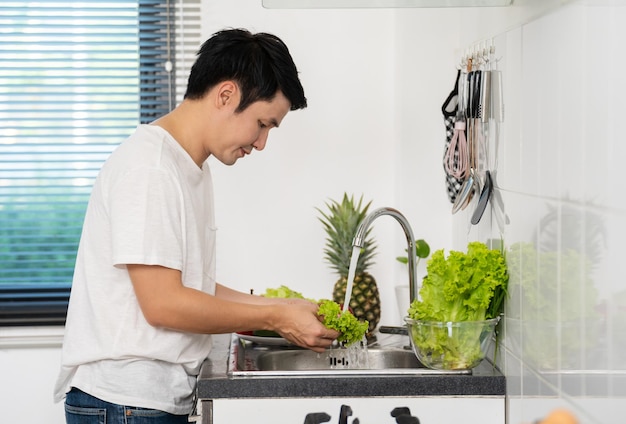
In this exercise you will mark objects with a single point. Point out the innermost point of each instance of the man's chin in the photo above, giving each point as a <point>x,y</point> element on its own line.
<point>227,161</point>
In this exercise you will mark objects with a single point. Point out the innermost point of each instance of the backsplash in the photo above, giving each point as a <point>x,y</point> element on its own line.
<point>559,177</point>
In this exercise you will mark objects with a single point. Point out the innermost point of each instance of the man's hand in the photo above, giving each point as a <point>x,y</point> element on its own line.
<point>300,324</point>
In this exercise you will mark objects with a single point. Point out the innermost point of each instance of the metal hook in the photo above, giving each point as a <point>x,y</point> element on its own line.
<point>462,63</point>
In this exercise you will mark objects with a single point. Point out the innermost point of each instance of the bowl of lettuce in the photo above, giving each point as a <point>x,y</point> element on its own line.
<point>450,345</point>
<point>452,323</point>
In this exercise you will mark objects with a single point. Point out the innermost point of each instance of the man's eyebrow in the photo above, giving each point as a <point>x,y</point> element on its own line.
<point>274,122</point>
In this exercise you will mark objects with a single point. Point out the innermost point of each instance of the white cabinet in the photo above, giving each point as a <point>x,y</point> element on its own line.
<point>367,410</point>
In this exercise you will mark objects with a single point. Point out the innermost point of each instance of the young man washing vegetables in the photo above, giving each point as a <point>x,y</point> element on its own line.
<point>144,297</point>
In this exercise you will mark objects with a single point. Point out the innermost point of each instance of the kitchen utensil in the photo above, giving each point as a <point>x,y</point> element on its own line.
<point>466,193</point>
<point>475,81</point>
<point>449,110</point>
<point>497,106</point>
<point>496,116</point>
<point>484,107</point>
<point>469,184</point>
<point>485,194</point>
<point>456,157</point>
<point>480,152</point>
<point>476,136</point>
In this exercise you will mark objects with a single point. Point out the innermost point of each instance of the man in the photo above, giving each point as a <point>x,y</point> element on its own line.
<point>144,297</point>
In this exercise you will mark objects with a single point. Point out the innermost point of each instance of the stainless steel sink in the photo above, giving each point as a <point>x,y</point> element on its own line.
<point>250,359</point>
<point>306,360</point>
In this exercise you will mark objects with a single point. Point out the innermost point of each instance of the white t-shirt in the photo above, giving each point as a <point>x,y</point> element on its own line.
<point>150,204</point>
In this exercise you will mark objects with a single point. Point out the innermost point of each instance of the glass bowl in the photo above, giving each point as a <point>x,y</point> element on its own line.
<point>451,345</point>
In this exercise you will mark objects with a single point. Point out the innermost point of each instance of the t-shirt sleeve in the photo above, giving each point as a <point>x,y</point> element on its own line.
<point>146,219</point>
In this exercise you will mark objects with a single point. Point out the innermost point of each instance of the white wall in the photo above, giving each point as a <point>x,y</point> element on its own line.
<point>347,140</point>
<point>29,363</point>
<point>559,176</point>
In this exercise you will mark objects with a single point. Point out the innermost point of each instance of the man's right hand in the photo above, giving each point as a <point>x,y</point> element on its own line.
<point>299,323</point>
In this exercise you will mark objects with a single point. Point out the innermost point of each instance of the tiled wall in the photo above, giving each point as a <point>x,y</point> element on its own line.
<point>560,174</point>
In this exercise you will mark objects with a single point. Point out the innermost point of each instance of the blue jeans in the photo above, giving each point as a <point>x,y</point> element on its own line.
<point>82,408</point>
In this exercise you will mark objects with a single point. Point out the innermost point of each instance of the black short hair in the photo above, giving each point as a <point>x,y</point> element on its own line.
<point>259,63</point>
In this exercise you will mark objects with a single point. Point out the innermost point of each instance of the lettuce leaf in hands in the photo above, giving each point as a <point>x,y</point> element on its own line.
<point>350,328</point>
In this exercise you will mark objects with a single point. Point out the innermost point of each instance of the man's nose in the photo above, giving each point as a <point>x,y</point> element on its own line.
<point>260,142</point>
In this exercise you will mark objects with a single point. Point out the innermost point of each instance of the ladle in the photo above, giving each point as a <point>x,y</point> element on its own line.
<point>485,194</point>
<point>465,195</point>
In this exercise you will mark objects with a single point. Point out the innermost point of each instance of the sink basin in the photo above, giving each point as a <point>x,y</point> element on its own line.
<point>305,360</point>
<point>250,359</point>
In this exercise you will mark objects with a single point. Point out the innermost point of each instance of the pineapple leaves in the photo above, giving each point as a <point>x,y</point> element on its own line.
<point>340,221</point>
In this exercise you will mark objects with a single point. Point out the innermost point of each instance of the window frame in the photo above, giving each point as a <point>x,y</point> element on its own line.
<point>161,32</point>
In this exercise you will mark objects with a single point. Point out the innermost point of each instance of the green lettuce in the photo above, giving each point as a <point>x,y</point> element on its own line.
<point>283,292</point>
<point>352,330</point>
<point>458,288</point>
<point>463,286</point>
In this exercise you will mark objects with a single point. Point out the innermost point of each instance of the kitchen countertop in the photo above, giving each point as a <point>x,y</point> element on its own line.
<point>214,382</point>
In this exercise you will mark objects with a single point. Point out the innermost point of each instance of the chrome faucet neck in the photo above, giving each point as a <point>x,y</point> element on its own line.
<point>362,230</point>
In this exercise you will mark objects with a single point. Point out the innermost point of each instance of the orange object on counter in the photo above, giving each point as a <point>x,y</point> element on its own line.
<point>559,416</point>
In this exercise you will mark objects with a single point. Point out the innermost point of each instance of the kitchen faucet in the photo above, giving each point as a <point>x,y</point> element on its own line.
<point>361,232</point>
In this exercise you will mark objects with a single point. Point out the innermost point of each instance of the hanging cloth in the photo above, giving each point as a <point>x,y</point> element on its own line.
<point>455,152</point>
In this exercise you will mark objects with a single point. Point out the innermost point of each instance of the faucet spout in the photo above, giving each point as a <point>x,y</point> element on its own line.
<point>363,230</point>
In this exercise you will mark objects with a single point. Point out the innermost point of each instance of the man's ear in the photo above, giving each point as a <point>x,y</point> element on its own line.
<point>226,94</point>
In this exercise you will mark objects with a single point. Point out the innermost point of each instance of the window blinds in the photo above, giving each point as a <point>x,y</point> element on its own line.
<point>76,77</point>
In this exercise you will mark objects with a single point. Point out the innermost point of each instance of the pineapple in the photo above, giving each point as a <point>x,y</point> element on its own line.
<point>341,222</point>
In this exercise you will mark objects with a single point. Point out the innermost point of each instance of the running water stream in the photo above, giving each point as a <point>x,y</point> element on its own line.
<point>356,251</point>
<point>354,356</point>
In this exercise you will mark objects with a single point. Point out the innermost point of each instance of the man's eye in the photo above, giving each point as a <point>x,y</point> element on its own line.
<point>262,125</point>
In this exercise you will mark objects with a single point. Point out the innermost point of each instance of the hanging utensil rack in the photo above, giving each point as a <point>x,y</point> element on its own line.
<point>479,114</point>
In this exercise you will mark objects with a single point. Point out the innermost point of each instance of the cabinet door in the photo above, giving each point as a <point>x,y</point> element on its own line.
<point>429,410</point>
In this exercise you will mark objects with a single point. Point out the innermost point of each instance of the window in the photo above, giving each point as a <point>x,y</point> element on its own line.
<point>76,77</point>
